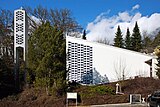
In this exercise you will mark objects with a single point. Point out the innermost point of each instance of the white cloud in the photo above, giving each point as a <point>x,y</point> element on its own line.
<point>135,7</point>
<point>124,16</point>
<point>106,27</point>
<point>136,17</point>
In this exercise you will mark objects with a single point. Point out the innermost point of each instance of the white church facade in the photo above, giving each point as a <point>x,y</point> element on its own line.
<point>95,63</point>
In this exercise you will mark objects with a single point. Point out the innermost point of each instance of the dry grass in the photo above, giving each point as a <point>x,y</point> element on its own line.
<point>32,98</point>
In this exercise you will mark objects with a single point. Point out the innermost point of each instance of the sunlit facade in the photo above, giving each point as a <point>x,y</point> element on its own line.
<point>95,63</point>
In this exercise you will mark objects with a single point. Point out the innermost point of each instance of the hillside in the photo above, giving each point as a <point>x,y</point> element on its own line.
<point>105,94</point>
<point>87,95</point>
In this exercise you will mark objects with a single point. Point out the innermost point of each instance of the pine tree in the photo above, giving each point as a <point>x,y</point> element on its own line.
<point>156,40</point>
<point>146,42</point>
<point>47,58</point>
<point>84,35</point>
<point>128,40</point>
<point>118,40</point>
<point>136,42</point>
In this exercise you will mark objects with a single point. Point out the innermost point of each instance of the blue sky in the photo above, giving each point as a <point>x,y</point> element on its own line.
<point>86,12</point>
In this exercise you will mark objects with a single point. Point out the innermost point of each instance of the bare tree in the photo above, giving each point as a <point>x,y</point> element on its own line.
<point>63,20</point>
<point>60,18</point>
<point>120,69</point>
<point>6,32</point>
<point>6,23</point>
<point>103,40</point>
<point>36,17</point>
<point>39,12</point>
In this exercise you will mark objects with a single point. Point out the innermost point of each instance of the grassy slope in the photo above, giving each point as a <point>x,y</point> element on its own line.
<point>88,95</point>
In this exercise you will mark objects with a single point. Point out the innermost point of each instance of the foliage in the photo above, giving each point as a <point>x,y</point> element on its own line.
<point>6,42</point>
<point>136,42</point>
<point>91,91</point>
<point>128,40</point>
<point>6,74</point>
<point>72,86</point>
<point>46,49</point>
<point>146,42</point>
<point>118,40</point>
<point>47,57</point>
<point>156,41</point>
<point>157,51</point>
<point>102,90</point>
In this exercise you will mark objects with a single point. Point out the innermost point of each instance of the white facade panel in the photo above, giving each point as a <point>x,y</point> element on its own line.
<point>115,63</point>
<point>154,66</point>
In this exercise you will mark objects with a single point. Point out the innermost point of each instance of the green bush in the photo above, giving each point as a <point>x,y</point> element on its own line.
<point>91,91</point>
<point>102,90</point>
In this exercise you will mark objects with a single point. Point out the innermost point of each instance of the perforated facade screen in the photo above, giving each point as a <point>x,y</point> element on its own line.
<point>80,63</point>
<point>19,27</point>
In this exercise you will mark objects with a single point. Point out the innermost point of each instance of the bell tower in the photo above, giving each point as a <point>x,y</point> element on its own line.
<point>20,40</point>
<point>20,32</point>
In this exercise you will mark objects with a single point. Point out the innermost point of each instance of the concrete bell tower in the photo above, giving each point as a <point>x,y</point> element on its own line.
<point>20,32</point>
<point>20,39</point>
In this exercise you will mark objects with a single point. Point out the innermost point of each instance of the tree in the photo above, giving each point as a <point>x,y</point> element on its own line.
<point>118,40</point>
<point>60,18</point>
<point>156,41</point>
<point>157,52</point>
<point>6,32</point>
<point>63,20</point>
<point>146,41</point>
<point>47,58</point>
<point>6,47</point>
<point>39,12</point>
<point>136,42</point>
<point>36,17</point>
<point>128,40</point>
<point>120,69</point>
<point>84,35</point>
<point>103,40</point>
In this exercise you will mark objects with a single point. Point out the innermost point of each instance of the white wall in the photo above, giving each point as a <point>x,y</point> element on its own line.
<point>108,58</point>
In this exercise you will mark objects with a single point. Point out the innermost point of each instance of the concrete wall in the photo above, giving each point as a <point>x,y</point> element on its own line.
<point>114,62</point>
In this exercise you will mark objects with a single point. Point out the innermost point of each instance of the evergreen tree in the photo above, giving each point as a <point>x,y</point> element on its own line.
<point>6,43</point>
<point>136,42</point>
<point>118,40</point>
<point>156,40</point>
<point>146,42</point>
<point>128,40</point>
<point>47,58</point>
<point>84,35</point>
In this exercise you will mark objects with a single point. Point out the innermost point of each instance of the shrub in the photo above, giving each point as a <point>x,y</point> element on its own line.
<point>102,90</point>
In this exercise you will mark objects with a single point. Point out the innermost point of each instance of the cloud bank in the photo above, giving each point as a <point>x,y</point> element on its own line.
<point>106,27</point>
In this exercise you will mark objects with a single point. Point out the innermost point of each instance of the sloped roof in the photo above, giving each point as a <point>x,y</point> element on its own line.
<point>110,46</point>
